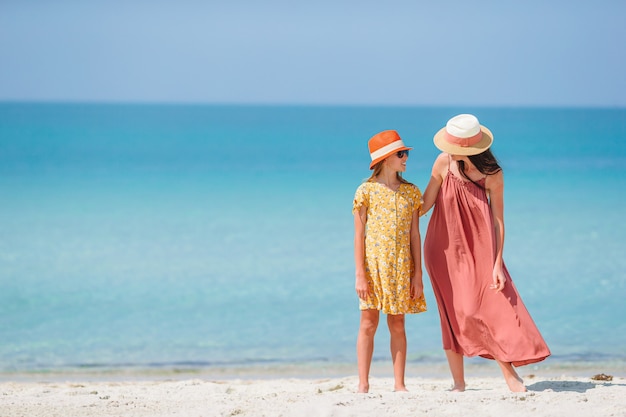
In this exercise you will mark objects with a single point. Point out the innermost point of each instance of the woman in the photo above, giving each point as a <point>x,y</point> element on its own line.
<point>480,309</point>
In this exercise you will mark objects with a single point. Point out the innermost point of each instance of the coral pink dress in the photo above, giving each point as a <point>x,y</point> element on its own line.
<point>459,252</point>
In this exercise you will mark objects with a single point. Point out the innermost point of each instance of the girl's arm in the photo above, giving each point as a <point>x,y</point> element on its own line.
<point>360,218</point>
<point>495,187</point>
<point>440,166</point>
<point>417,286</point>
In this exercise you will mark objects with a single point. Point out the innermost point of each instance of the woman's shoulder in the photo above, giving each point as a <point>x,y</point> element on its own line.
<point>442,160</point>
<point>494,181</point>
<point>441,164</point>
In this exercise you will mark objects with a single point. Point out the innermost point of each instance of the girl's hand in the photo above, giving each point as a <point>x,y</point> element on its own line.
<point>417,287</point>
<point>362,287</point>
<point>499,280</point>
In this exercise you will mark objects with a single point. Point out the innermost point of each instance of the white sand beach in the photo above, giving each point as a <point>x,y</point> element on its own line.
<point>335,396</point>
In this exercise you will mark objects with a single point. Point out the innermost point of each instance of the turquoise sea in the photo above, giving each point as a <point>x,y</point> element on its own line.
<point>199,238</point>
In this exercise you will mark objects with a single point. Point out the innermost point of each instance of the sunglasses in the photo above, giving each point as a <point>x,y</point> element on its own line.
<point>402,153</point>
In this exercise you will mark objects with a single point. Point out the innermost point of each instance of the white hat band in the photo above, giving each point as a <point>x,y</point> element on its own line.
<point>386,149</point>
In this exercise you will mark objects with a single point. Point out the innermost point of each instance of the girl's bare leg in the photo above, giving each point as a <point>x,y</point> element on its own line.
<point>398,349</point>
<point>455,361</point>
<point>365,347</point>
<point>513,380</point>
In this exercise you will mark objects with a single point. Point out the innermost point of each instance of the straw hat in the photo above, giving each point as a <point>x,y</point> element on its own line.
<point>383,144</point>
<point>463,135</point>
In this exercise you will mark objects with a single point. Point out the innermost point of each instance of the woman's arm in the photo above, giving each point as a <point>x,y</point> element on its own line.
<point>360,218</point>
<point>417,285</point>
<point>440,166</point>
<point>495,188</point>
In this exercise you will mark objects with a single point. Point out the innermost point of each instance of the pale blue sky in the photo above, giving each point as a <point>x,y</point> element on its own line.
<point>406,52</point>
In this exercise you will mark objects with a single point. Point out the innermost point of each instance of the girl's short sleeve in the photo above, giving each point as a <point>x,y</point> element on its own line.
<point>361,198</point>
<point>416,198</point>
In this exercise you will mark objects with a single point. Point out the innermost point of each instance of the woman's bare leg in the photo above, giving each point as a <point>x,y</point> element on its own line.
<point>398,349</point>
<point>365,346</point>
<point>455,362</point>
<point>513,380</point>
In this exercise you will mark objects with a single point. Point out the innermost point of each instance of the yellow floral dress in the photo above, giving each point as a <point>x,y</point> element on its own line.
<point>388,261</point>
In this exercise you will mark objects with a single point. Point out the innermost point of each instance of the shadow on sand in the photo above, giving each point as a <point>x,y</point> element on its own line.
<point>564,386</point>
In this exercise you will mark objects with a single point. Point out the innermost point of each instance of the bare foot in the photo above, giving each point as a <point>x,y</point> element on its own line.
<point>400,389</point>
<point>515,383</point>
<point>513,380</point>
<point>363,388</point>
<point>460,387</point>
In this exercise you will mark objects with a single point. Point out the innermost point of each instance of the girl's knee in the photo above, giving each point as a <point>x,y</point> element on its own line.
<point>369,323</point>
<point>368,328</point>
<point>396,323</point>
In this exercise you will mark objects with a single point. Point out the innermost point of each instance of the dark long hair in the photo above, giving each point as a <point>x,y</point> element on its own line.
<point>484,162</point>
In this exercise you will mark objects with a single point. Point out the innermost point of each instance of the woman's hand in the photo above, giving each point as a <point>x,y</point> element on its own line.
<point>499,279</point>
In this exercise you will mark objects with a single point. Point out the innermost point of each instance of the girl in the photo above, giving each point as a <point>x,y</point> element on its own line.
<point>387,253</point>
<point>480,309</point>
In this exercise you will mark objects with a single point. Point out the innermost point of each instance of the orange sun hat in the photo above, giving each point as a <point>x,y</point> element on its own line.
<point>383,144</point>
